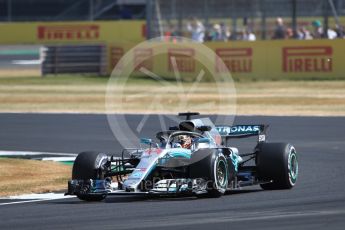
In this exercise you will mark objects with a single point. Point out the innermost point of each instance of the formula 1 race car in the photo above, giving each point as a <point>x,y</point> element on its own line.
<point>192,158</point>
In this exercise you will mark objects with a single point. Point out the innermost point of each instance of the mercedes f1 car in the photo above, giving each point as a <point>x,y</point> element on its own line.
<point>193,158</point>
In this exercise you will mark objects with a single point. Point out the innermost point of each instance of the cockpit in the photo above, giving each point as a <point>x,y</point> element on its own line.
<point>183,139</point>
<point>189,134</point>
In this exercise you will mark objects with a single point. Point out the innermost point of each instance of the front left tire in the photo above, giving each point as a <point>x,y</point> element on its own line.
<point>212,166</point>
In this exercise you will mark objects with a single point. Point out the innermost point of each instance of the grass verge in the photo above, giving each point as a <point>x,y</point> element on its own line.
<point>86,94</point>
<point>19,176</point>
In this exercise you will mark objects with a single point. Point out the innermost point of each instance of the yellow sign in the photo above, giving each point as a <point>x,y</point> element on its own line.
<point>252,60</point>
<point>260,59</point>
<point>72,32</point>
<point>313,59</point>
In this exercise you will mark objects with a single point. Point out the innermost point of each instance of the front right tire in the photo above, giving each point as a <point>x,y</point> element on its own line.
<point>89,165</point>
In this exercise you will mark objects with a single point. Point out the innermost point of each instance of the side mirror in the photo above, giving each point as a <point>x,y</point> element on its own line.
<point>148,141</point>
<point>204,140</point>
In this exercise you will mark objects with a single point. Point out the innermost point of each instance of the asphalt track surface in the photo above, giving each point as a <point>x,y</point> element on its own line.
<point>316,202</point>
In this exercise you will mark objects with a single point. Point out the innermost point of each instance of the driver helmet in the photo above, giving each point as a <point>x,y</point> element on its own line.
<point>185,141</point>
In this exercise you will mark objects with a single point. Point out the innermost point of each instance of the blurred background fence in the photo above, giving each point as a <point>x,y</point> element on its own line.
<point>257,18</point>
<point>237,16</point>
<point>67,10</point>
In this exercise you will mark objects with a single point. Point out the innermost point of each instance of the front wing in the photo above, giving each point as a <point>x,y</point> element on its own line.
<point>162,187</point>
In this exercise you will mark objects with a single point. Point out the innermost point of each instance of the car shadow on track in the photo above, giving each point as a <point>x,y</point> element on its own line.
<point>129,199</point>
<point>242,191</point>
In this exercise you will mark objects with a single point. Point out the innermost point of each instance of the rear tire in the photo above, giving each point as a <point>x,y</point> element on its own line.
<point>212,166</point>
<point>277,162</point>
<point>88,165</point>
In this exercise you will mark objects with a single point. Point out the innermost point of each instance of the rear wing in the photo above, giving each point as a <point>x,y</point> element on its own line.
<point>242,131</point>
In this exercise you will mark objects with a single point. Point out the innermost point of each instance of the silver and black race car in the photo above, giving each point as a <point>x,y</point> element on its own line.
<point>193,158</point>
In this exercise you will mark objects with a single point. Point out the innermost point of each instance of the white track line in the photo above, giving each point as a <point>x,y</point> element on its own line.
<point>30,153</point>
<point>58,158</point>
<point>34,197</point>
<point>38,196</point>
<point>19,202</point>
<point>37,200</point>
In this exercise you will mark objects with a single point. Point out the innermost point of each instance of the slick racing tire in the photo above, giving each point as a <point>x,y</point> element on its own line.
<point>278,163</point>
<point>89,165</point>
<point>212,166</point>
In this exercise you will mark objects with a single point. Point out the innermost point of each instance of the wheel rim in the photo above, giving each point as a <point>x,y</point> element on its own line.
<point>221,173</point>
<point>293,167</point>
